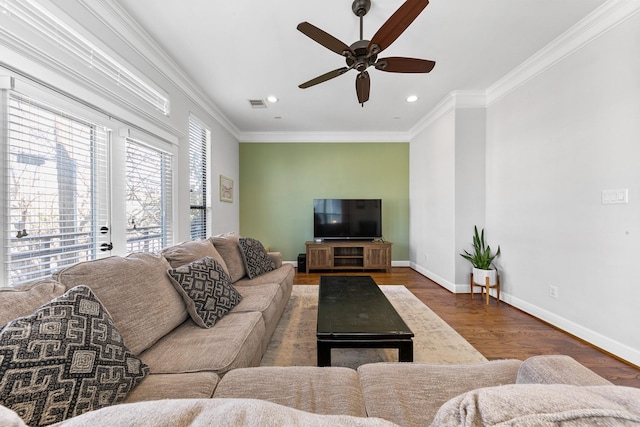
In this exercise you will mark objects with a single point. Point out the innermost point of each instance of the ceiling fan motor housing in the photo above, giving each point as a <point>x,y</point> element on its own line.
<point>362,58</point>
<point>361,7</point>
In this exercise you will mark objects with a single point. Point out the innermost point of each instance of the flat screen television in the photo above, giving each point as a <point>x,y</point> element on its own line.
<point>347,219</point>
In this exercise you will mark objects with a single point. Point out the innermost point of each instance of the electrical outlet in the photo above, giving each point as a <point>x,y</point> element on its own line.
<point>553,292</point>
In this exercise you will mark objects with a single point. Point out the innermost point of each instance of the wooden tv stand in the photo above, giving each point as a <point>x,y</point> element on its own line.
<point>348,255</point>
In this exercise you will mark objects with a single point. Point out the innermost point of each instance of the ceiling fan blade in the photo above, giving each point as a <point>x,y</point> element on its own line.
<point>397,23</point>
<point>325,39</point>
<point>323,78</point>
<point>397,64</point>
<point>363,85</point>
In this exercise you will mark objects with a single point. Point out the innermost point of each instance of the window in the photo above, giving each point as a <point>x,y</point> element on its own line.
<point>148,209</point>
<point>43,21</point>
<point>55,186</point>
<point>198,144</point>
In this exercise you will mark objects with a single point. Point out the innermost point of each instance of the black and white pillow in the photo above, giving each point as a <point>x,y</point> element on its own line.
<point>206,289</point>
<point>256,259</point>
<point>65,359</point>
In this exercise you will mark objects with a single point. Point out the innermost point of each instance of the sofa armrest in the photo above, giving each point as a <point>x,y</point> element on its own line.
<point>412,393</point>
<point>276,257</point>
<point>557,369</point>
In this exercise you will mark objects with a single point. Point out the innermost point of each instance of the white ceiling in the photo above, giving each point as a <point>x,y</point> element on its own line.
<point>240,50</point>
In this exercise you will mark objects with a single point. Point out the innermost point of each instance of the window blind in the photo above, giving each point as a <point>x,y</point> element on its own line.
<point>55,171</point>
<point>44,22</point>
<point>198,142</point>
<point>149,194</point>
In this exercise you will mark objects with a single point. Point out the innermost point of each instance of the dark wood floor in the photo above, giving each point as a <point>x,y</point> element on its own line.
<point>498,331</point>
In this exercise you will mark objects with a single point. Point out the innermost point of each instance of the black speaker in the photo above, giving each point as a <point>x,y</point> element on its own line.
<point>302,263</point>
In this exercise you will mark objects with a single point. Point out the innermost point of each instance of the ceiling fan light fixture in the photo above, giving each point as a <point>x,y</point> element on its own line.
<point>364,53</point>
<point>412,98</point>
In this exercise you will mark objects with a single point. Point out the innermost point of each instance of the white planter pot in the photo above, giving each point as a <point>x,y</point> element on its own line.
<point>479,276</point>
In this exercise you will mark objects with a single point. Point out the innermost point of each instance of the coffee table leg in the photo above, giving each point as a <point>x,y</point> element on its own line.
<point>405,352</point>
<point>324,354</point>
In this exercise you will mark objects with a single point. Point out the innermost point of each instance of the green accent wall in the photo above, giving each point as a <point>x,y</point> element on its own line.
<point>278,182</point>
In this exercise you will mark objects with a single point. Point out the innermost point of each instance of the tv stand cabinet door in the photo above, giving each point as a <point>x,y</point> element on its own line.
<point>319,257</point>
<point>377,256</point>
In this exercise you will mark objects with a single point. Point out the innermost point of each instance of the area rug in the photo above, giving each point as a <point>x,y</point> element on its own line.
<point>294,340</point>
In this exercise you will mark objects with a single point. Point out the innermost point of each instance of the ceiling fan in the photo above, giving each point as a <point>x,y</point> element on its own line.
<point>364,53</point>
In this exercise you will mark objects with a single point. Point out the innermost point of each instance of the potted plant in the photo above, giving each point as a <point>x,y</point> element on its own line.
<point>481,259</point>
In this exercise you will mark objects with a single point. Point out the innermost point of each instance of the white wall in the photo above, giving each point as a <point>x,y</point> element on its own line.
<point>432,200</point>
<point>558,130</point>
<point>447,192</point>
<point>470,186</point>
<point>553,145</point>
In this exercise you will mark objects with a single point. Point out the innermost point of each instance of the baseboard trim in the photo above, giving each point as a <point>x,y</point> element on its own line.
<point>606,344</point>
<point>451,287</point>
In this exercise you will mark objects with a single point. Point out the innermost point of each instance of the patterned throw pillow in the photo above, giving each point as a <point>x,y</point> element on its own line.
<point>256,259</point>
<point>65,359</point>
<point>206,289</point>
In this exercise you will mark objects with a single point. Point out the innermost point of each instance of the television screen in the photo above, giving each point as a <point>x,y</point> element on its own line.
<point>347,218</point>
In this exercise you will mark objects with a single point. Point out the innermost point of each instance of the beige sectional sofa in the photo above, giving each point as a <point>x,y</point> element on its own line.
<point>210,376</point>
<point>184,360</point>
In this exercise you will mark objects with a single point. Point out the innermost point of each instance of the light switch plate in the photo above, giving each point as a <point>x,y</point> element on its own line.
<point>612,197</point>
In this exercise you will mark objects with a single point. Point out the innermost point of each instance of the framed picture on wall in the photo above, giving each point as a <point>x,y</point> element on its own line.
<point>226,189</point>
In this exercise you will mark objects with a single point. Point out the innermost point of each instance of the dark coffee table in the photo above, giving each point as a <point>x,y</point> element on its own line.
<point>354,313</point>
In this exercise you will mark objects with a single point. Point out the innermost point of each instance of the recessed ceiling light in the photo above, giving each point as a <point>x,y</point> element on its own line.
<point>272,99</point>
<point>412,98</point>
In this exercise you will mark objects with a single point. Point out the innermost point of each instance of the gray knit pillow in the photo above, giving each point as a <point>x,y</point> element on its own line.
<point>65,359</point>
<point>206,289</point>
<point>256,259</point>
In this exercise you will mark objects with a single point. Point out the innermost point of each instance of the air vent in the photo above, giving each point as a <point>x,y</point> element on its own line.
<point>257,103</point>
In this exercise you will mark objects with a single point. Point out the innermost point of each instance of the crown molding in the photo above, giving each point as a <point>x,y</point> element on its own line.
<point>313,137</point>
<point>453,100</point>
<point>597,23</point>
<point>114,17</point>
<point>603,19</point>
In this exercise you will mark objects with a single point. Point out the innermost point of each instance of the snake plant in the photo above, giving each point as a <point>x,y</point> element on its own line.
<point>481,257</point>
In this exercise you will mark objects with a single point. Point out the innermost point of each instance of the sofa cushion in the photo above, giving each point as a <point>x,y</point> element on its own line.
<point>258,298</point>
<point>186,252</point>
<point>283,275</point>
<point>234,342</point>
<point>214,412</point>
<point>191,385</point>
<point>543,405</point>
<point>557,369</point>
<point>267,299</point>
<point>255,258</point>
<point>393,391</point>
<point>332,390</point>
<point>206,289</point>
<point>23,300</point>
<point>228,247</point>
<point>65,359</point>
<point>137,292</point>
